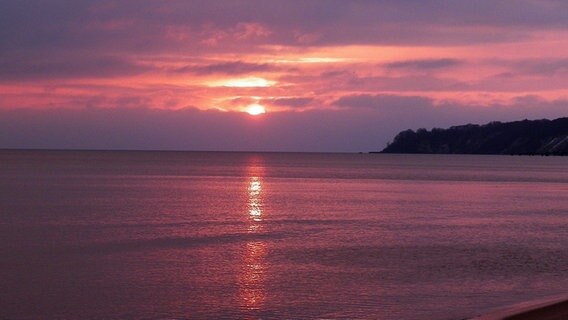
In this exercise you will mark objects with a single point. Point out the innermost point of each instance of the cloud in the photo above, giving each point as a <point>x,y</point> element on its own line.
<point>418,82</point>
<point>424,64</point>
<point>231,68</point>
<point>77,66</point>
<point>383,101</point>
<point>338,73</point>
<point>541,67</point>
<point>291,102</point>
<point>143,27</point>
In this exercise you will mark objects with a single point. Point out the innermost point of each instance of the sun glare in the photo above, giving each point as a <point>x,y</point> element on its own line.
<point>255,109</point>
<point>250,82</point>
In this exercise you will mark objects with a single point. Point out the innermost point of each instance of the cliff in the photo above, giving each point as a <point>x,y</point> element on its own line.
<point>537,137</point>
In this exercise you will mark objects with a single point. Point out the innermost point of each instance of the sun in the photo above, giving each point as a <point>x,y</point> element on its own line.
<point>255,109</point>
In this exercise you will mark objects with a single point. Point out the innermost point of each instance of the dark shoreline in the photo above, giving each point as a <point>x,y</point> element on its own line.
<point>480,154</point>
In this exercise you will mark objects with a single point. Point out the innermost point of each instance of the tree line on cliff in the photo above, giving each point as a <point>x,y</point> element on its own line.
<point>536,137</point>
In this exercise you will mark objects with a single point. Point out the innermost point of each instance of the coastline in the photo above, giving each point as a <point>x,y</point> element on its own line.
<point>550,308</point>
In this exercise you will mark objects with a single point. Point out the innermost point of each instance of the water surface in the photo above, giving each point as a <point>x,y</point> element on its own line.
<point>162,235</point>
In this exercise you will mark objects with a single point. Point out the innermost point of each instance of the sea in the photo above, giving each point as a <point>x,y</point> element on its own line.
<point>213,235</point>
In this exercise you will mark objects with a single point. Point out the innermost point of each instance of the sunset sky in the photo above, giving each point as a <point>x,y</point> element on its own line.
<point>330,75</point>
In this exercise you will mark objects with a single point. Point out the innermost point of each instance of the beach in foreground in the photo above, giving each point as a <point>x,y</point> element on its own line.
<point>552,308</point>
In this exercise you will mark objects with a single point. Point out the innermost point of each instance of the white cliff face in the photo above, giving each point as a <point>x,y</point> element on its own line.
<point>559,144</point>
<point>555,145</point>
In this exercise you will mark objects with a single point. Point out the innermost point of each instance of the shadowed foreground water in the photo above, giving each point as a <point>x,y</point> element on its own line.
<point>161,235</point>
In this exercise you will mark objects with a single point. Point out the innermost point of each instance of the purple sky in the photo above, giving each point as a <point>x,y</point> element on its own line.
<point>330,75</point>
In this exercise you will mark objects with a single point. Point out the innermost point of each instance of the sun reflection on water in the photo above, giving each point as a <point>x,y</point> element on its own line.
<point>255,200</point>
<point>253,272</point>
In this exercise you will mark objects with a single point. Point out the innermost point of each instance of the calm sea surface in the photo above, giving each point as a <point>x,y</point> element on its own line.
<point>173,235</point>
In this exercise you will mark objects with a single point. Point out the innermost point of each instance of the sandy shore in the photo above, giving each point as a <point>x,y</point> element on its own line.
<point>553,308</point>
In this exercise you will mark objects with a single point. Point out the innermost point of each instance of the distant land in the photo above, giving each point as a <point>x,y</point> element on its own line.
<point>536,137</point>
